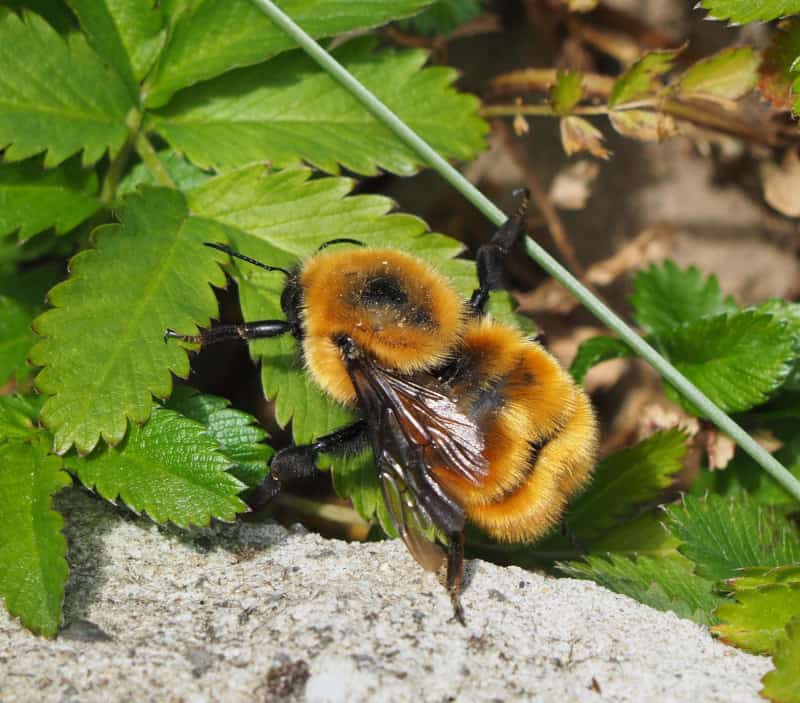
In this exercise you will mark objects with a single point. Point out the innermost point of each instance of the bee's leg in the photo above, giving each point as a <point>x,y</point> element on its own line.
<point>222,333</point>
<point>300,461</point>
<point>454,574</point>
<point>489,258</point>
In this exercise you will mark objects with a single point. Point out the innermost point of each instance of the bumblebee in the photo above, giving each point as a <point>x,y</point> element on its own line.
<point>467,418</point>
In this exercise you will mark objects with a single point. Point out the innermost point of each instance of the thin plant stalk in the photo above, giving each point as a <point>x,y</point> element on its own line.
<point>536,252</point>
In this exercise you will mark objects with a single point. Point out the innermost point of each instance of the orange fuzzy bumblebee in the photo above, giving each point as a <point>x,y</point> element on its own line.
<point>466,417</point>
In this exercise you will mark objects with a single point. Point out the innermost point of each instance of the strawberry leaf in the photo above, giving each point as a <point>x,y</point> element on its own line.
<point>783,684</point>
<point>567,91</point>
<point>778,70</point>
<point>16,338</point>
<point>103,348</point>
<point>170,468</point>
<point>722,535</point>
<point>63,102</point>
<point>665,297</point>
<point>235,33</point>
<point>729,74</point>
<point>638,80</point>
<point>595,351</point>
<point>744,11</point>
<point>289,110</point>
<point>129,35</point>
<point>33,566</point>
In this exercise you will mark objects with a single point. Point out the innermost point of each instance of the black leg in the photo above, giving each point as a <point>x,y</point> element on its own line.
<point>222,333</point>
<point>454,573</point>
<point>300,461</point>
<point>489,259</point>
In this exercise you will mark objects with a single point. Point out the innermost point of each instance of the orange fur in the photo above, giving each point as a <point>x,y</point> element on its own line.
<point>409,338</point>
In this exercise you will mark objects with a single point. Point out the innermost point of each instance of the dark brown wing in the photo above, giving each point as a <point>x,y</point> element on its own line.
<point>413,428</point>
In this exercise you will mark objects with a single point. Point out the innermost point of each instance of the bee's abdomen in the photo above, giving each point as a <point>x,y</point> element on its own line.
<point>538,428</point>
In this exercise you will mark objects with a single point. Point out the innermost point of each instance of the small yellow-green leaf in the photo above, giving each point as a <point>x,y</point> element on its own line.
<point>730,74</point>
<point>643,125</point>
<point>755,621</point>
<point>637,81</point>
<point>33,567</point>
<point>783,684</point>
<point>567,91</point>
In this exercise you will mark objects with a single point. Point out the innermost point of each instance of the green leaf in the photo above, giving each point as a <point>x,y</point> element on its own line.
<point>443,17</point>
<point>637,81</point>
<point>184,174</point>
<point>16,338</point>
<point>18,417</point>
<point>171,468</point>
<point>103,348</point>
<point>279,219</point>
<point>625,480</point>
<point>567,91</point>
<point>63,102</point>
<point>783,684</point>
<point>129,35</point>
<point>731,74</point>
<point>289,110</point>
<point>664,584</point>
<point>777,71</point>
<point>644,536</point>
<point>33,199</point>
<point>236,433</point>
<point>33,566</point>
<point>209,38</point>
<point>764,605</point>
<point>722,535</point>
<point>29,286</point>
<point>744,11</point>
<point>665,297</point>
<point>56,13</point>
<point>736,360</point>
<point>595,351</point>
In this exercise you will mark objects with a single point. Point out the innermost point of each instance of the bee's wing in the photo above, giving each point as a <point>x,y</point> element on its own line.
<point>413,428</point>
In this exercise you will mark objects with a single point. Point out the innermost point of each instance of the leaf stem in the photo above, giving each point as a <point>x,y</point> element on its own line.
<point>117,167</point>
<point>150,159</point>
<point>547,262</point>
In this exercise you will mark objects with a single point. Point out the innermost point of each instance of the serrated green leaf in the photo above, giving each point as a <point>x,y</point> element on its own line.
<point>443,17</point>
<point>33,199</point>
<point>782,685</point>
<point>665,297</point>
<point>736,360</point>
<point>171,468</point>
<point>722,535</point>
<point>289,110</point>
<point>731,74</point>
<point>18,417</point>
<point>567,91</point>
<point>756,620</point>
<point>33,566</point>
<point>63,102</point>
<point>778,70</point>
<point>279,219</point>
<point>16,338</point>
<point>238,437</point>
<point>595,351</point>
<point>625,480</point>
<point>129,35</point>
<point>209,38</point>
<point>185,175</point>
<point>29,286</point>
<point>103,348</point>
<point>757,576</point>
<point>637,81</point>
<point>644,536</point>
<point>664,584</point>
<point>56,13</point>
<point>744,11</point>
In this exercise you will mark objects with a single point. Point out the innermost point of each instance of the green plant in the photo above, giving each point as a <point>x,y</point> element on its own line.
<point>172,154</point>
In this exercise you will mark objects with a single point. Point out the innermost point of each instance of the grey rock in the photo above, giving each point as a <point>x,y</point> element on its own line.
<point>259,613</point>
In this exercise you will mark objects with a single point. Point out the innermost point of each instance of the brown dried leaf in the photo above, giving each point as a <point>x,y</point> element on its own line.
<point>578,134</point>
<point>775,73</point>
<point>782,184</point>
<point>720,449</point>
<point>643,125</point>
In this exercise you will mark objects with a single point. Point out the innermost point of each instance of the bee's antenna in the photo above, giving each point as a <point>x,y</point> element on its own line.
<point>236,254</point>
<point>523,206</point>
<point>342,240</point>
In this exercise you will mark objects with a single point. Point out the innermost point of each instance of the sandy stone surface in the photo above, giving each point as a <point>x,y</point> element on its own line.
<point>259,613</point>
